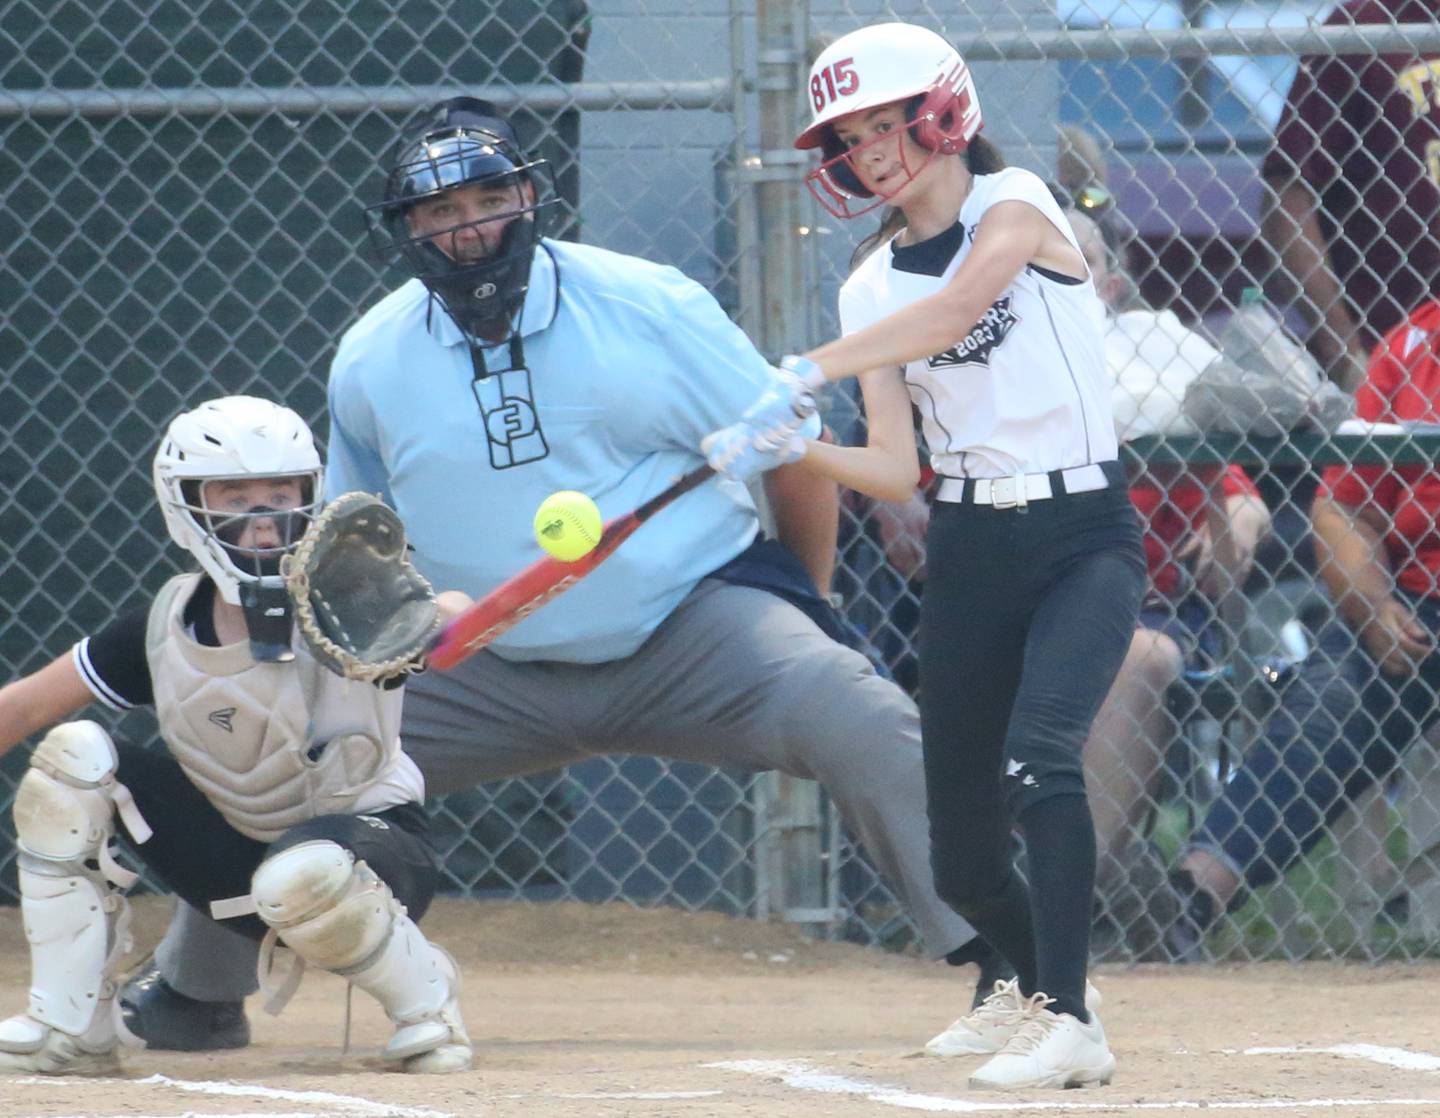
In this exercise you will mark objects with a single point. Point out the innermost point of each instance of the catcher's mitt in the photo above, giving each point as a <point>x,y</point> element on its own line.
<point>362,608</point>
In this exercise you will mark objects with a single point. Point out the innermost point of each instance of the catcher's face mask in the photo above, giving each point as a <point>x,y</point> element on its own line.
<point>254,522</point>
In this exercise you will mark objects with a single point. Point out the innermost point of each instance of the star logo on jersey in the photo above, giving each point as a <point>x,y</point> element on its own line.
<point>985,337</point>
<point>224,718</point>
<point>1015,768</point>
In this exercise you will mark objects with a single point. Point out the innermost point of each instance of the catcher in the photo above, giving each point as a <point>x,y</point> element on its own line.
<point>284,801</point>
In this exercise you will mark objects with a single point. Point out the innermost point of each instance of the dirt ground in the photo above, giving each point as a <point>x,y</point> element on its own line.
<point>601,1011</point>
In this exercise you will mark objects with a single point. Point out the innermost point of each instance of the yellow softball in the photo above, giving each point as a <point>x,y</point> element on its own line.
<point>567,525</point>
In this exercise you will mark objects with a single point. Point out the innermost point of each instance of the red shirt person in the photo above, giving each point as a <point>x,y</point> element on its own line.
<point>1172,516</point>
<point>1404,384</point>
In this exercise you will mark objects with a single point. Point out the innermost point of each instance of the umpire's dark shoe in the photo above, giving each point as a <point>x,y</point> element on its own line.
<point>166,1019</point>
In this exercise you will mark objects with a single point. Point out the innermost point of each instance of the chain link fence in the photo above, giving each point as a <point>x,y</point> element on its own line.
<point>180,212</point>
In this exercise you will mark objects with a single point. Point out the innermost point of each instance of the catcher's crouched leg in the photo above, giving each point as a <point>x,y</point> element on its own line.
<point>336,914</point>
<point>75,920</point>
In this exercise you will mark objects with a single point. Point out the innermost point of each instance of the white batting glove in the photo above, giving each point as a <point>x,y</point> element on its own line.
<point>739,452</point>
<point>774,428</point>
<point>776,416</point>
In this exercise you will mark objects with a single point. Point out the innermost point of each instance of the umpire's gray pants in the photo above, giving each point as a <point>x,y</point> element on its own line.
<point>734,676</point>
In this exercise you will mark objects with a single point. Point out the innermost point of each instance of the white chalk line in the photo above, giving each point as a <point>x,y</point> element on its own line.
<point>801,1076</point>
<point>345,1104</point>
<point>1391,1057</point>
<point>190,1114</point>
<point>648,1095</point>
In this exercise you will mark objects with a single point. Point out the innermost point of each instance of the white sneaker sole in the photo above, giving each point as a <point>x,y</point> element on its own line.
<point>1071,1077</point>
<point>974,1045</point>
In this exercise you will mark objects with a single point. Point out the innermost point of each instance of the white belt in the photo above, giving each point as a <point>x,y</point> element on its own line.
<point>1020,489</point>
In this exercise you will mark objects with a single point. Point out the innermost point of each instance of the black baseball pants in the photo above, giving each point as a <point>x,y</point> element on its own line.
<point>201,858</point>
<point>1026,618</point>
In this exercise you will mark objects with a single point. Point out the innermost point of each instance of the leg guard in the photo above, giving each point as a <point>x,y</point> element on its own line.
<point>337,915</point>
<point>77,923</point>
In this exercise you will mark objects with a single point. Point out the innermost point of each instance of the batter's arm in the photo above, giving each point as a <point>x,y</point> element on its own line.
<point>886,467</point>
<point>806,508</point>
<point>1010,235</point>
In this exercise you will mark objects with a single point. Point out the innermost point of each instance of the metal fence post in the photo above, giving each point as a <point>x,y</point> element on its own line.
<point>780,70</point>
<point>791,833</point>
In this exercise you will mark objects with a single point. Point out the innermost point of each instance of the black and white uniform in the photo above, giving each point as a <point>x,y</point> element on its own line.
<point>260,757</point>
<point>1035,576</point>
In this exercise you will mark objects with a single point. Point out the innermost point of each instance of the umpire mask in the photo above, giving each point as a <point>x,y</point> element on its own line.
<point>462,212</point>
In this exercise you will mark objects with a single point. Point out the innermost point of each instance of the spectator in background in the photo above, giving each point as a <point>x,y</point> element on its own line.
<point>1200,534</point>
<point>1080,166</point>
<point>1078,159</point>
<point>1370,688</point>
<point>1353,206</point>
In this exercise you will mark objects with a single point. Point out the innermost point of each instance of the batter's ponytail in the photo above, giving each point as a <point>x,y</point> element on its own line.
<point>983,158</point>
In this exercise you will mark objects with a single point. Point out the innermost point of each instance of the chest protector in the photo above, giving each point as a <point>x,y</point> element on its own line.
<point>270,745</point>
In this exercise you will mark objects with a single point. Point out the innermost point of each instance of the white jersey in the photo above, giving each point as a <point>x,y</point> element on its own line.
<point>1026,390</point>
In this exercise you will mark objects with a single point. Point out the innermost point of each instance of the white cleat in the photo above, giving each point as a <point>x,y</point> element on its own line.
<point>29,1046</point>
<point>986,1028</point>
<point>1049,1050</point>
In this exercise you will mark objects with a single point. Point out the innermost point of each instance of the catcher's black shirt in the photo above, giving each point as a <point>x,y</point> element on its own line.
<point>113,663</point>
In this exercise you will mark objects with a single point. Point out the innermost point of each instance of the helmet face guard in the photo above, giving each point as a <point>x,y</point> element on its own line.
<point>836,185</point>
<point>235,438</point>
<point>225,531</point>
<point>471,147</point>
<point>885,64</point>
<point>269,611</point>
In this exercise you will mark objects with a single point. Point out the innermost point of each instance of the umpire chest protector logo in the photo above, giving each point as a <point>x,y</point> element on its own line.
<point>512,426</point>
<point>988,335</point>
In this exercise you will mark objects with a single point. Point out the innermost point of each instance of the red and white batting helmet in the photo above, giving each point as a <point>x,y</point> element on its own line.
<point>880,65</point>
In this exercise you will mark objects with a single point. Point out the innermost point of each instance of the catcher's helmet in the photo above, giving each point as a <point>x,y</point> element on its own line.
<point>880,65</point>
<point>235,437</point>
<point>464,142</point>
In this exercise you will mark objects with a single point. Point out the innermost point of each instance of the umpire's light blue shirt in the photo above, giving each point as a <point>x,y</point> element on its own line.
<point>629,365</point>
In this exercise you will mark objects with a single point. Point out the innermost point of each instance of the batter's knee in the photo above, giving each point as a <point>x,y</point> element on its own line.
<point>1043,757</point>
<point>1044,782</point>
<point>973,891</point>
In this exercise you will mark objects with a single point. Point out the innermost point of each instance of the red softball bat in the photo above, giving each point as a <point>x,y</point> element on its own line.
<point>518,597</point>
